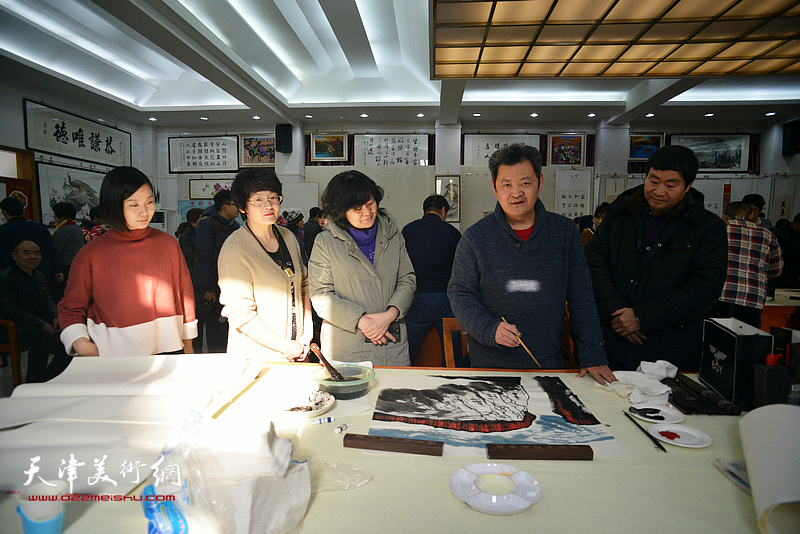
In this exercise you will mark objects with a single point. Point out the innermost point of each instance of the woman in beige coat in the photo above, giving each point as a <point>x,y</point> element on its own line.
<point>263,282</point>
<point>361,279</point>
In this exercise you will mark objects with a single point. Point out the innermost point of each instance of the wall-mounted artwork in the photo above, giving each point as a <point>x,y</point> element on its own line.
<point>205,189</point>
<point>256,150</point>
<point>58,183</point>
<point>479,147</point>
<point>642,146</point>
<point>717,152</point>
<point>566,149</point>
<point>54,131</point>
<point>203,154</point>
<point>449,188</point>
<point>329,147</point>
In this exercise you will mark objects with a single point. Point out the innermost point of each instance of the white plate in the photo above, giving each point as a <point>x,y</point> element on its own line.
<point>325,403</point>
<point>496,489</point>
<point>683,436</point>
<point>656,413</point>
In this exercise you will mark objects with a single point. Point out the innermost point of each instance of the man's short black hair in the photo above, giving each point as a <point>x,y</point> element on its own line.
<point>221,198</point>
<point>251,181</point>
<point>118,185</point>
<point>13,206</point>
<point>756,200</point>
<point>95,212</point>
<point>64,210</point>
<point>349,190</point>
<point>675,158</point>
<point>315,212</point>
<point>435,203</point>
<point>796,218</point>
<point>15,248</point>
<point>514,154</point>
<point>737,209</point>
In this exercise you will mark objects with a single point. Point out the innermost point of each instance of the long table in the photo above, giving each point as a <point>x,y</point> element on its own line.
<point>652,491</point>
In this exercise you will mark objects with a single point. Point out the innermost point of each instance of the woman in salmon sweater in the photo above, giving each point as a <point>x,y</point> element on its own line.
<point>129,292</point>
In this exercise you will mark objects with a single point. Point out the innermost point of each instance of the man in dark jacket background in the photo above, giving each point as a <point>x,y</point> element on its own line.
<point>24,299</point>
<point>218,222</point>
<point>431,244</point>
<point>658,263</point>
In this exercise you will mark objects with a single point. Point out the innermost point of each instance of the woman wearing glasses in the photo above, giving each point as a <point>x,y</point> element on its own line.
<point>361,278</point>
<point>263,282</point>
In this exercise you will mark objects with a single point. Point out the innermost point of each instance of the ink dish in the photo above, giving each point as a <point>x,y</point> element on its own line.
<point>496,489</point>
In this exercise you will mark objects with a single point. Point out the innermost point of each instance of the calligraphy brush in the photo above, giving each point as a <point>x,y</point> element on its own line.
<point>654,440</point>
<point>335,374</point>
<point>523,345</point>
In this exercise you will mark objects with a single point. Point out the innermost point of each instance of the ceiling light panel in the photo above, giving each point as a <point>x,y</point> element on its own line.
<point>661,38</point>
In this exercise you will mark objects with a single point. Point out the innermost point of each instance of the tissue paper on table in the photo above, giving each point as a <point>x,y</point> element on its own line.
<point>658,370</point>
<point>638,387</point>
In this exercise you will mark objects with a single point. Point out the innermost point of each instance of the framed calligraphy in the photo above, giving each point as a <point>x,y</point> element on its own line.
<point>391,149</point>
<point>203,154</point>
<point>479,147</point>
<point>54,131</point>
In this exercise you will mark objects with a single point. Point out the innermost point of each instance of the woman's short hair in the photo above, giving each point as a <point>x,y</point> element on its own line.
<point>193,215</point>
<point>118,185</point>
<point>64,210</point>
<point>251,181</point>
<point>347,191</point>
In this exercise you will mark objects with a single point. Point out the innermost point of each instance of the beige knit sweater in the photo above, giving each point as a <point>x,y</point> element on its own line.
<point>256,295</point>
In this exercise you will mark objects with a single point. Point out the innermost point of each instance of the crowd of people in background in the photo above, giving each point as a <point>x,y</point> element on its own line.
<point>636,277</point>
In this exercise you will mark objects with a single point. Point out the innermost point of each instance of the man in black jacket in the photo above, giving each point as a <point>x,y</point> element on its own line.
<point>658,263</point>
<point>24,299</point>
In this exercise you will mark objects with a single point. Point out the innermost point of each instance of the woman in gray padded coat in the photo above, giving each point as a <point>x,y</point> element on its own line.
<point>360,276</point>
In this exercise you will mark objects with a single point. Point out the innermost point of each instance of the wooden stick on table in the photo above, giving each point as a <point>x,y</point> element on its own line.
<point>523,346</point>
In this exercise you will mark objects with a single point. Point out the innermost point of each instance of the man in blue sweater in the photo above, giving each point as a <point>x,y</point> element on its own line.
<point>515,270</point>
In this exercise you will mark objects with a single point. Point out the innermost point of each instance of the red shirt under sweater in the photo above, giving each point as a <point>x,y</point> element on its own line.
<point>130,293</point>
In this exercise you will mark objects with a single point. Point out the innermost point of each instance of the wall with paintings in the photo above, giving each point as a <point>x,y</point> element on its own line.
<point>406,187</point>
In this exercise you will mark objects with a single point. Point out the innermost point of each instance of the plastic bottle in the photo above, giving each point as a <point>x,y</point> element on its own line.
<point>771,385</point>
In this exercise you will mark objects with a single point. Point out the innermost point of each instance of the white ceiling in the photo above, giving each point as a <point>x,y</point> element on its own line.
<point>334,59</point>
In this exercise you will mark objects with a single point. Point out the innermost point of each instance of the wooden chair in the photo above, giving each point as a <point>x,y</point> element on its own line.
<point>12,348</point>
<point>568,345</point>
<point>449,326</point>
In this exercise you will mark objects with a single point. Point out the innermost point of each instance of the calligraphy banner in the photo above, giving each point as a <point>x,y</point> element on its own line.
<point>479,147</point>
<point>58,132</point>
<point>384,150</point>
<point>203,154</point>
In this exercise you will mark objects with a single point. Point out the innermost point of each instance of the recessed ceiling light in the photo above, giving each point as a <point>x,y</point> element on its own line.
<point>420,115</point>
<point>256,117</point>
<point>364,115</point>
<point>709,115</point>
<point>650,115</point>
<point>203,118</point>
<point>534,115</point>
<point>476,114</point>
<point>770,114</point>
<point>592,115</point>
<point>152,119</point>
<point>309,116</point>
